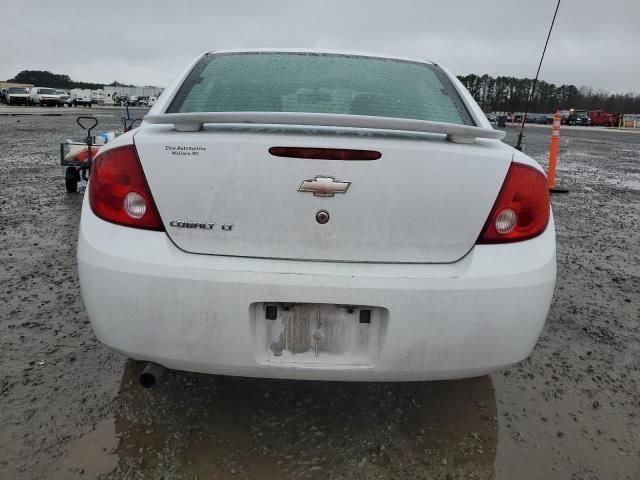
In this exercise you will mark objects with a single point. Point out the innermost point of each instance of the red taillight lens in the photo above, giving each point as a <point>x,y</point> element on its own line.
<point>118,191</point>
<point>522,208</point>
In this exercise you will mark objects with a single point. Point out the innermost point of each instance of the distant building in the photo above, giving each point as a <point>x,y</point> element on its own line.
<point>132,91</point>
<point>13,84</point>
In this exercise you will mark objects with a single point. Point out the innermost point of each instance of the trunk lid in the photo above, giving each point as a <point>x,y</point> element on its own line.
<point>220,191</point>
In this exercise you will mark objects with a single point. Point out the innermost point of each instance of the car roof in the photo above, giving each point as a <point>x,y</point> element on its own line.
<point>325,51</point>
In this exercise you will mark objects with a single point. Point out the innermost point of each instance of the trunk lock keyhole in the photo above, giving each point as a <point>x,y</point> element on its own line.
<point>322,217</point>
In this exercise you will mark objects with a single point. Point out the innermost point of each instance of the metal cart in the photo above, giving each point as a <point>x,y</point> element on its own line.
<point>77,155</point>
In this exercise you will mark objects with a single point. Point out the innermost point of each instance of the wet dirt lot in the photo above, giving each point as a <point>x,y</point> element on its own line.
<point>70,408</point>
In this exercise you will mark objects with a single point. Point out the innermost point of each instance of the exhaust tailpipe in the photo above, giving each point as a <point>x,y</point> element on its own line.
<point>151,374</point>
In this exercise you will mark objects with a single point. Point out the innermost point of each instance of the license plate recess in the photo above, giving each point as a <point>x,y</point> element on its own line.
<point>318,334</point>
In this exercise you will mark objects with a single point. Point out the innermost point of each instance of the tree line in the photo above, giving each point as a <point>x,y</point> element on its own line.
<point>43,78</point>
<point>499,94</point>
<point>509,94</point>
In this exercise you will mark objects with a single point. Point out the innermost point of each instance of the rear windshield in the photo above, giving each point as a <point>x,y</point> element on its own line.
<point>320,83</point>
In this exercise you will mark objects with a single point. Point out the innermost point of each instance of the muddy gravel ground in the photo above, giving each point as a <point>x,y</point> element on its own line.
<point>70,408</point>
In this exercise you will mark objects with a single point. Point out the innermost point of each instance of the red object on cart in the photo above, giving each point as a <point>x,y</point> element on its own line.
<point>80,153</point>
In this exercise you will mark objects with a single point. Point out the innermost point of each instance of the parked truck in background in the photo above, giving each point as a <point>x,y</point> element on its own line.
<point>16,95</point>
<point>43,96</point>
<point>604,119</point>
<point>79,96</point>
<point>578,117</point>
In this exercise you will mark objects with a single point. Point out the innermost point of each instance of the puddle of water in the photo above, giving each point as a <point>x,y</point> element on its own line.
<point>224,427</point>
<point>557,438</point>
<point>204,426</point>
<point>93,454</point>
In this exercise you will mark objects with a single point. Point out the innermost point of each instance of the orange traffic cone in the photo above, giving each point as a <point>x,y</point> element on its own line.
<point>553,155</point>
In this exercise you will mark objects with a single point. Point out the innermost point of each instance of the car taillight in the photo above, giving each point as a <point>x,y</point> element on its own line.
<point>118,190</point>
<point>522,209</point>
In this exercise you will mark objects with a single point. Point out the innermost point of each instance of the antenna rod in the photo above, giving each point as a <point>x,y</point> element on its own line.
<point>535,81</point>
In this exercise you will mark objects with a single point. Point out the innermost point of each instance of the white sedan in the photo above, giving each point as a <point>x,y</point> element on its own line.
<point>317,215</point>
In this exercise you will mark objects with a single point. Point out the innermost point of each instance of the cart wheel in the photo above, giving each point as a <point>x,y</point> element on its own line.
<point>71,179</point>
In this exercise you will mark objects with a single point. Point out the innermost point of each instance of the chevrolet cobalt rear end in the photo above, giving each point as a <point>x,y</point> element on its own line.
<point>317,215</point>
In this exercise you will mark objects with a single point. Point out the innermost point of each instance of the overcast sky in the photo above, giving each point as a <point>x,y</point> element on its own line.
<point>594,42</point>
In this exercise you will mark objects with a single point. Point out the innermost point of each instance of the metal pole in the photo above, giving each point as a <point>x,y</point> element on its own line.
<point>535,81</point>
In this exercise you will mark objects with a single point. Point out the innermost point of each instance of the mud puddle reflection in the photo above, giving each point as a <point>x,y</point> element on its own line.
<point>201,426</point>
<point>93,454</point>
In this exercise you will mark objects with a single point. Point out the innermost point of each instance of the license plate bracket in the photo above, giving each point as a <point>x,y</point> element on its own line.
<point>318,334</point>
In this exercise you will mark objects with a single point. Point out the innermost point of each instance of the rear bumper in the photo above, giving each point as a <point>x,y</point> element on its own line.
<point>151,301</point>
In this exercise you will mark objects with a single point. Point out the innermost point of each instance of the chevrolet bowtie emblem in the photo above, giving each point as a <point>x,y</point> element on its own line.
<point>324,186</point>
